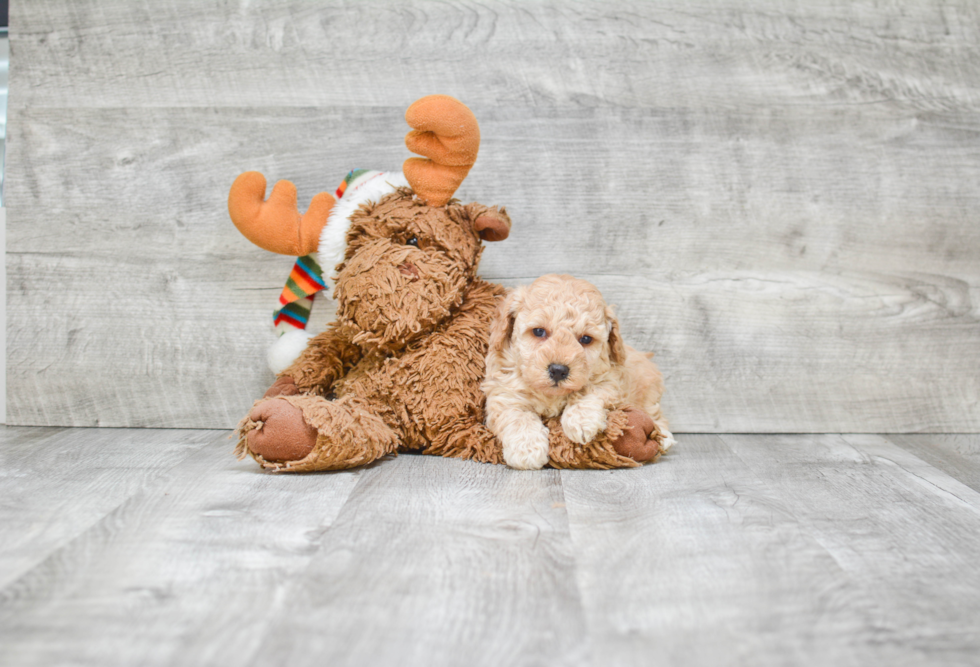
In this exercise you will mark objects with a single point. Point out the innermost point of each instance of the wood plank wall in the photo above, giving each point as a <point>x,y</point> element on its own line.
<point>781,197</point>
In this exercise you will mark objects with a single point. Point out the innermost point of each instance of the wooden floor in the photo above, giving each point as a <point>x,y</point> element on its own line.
<point>157,547</point>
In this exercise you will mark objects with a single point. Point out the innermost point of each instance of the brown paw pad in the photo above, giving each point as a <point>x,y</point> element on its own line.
<point>638,440</point>
<point>283,434</point>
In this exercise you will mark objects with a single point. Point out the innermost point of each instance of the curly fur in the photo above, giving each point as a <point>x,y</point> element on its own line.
<point>560,322</point>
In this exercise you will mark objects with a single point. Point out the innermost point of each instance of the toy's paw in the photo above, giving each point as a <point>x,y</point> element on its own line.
<point>527,450</point>
<point>582,422</point>
<point>640,441</point>
<point>282,433</point>
<point>284,386</point>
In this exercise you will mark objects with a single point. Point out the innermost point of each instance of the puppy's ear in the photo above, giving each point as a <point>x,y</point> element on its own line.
<point>503,325</point>
<point>617,349</point>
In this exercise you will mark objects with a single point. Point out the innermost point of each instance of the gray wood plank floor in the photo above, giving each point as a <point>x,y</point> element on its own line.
<point>156,547</point>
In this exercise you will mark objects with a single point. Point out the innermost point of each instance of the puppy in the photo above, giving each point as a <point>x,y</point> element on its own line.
<point>555,349</point>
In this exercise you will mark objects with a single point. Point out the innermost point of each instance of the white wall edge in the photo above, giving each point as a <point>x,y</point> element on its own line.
<point>3,318</point>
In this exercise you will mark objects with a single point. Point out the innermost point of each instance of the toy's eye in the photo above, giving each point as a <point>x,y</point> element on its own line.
<point>585,340</point>
<point>540,333</point>
<point>413,241</point>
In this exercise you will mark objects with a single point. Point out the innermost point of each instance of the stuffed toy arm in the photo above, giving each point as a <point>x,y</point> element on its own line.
<point>327,357</point>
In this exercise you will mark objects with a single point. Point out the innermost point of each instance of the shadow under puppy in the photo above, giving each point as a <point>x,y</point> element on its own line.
<point>555,350</point>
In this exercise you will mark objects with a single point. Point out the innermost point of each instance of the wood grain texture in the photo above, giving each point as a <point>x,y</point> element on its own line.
<point>755,333</point>
<point>956,455</point>
<point>781,201</point>
<point>158,548</point>
<point>624,54</point>
<point>438,562</point>
<point>901,530</point>
<point>45,472</point>
<point>187,570</point>
<point>695,560</point>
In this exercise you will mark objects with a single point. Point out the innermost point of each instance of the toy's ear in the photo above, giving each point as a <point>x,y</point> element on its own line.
<point>617,349</point>
<point>491,223</point>
<point>502,329</point>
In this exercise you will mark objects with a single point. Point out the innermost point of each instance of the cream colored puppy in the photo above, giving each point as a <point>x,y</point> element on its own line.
<point>555,349</point>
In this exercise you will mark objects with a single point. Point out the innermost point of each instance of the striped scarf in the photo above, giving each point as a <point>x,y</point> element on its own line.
<point>305,280</point>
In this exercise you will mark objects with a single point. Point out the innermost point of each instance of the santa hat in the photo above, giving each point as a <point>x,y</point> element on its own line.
<point>360,187</point>
<point>307,277</point>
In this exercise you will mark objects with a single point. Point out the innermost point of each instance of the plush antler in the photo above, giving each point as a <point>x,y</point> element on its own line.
<point>276,224</point>
<point>445,132</point>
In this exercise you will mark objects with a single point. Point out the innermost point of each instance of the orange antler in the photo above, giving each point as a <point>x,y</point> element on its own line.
<point>445,132</point>
<point>276,224</point>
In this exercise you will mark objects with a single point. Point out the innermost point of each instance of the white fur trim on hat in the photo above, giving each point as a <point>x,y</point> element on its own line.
<point>287,349</point>
<point>370,186</point>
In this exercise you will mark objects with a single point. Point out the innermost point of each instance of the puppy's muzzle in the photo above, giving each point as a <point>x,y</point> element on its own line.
<point>557,372</point>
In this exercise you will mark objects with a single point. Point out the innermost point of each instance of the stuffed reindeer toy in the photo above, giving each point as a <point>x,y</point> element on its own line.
<point>401,367</point>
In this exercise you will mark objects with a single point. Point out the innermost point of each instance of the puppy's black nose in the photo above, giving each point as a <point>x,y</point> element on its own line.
<point>557,372</point>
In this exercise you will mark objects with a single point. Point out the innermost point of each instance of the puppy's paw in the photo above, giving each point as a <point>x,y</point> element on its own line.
<point>582,422</point>
<point>666,439</point>
<point>527,450</point>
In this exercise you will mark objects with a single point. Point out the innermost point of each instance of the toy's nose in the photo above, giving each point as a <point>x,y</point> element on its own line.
<point>409,269</point>
<point>557,372</point>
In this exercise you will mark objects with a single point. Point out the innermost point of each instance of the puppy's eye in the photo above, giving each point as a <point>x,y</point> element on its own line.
<point>413,241</point>
<point>585,340</point>
<point>540,333</point>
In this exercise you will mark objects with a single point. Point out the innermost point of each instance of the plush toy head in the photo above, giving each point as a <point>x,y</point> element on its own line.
<point>406,269</point>
<point>403,249</point>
